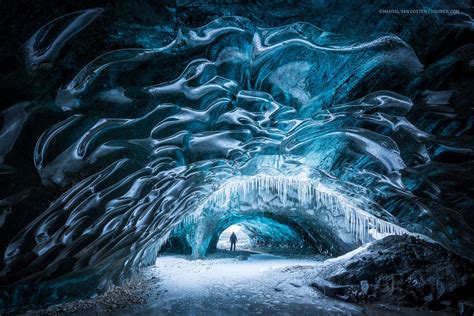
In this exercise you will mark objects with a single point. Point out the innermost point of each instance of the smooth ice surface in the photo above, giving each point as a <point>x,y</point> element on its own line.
<point>329,138</point>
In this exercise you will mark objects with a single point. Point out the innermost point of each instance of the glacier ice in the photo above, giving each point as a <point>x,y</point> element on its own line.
<point>336,139</point>
<point>323,204</point>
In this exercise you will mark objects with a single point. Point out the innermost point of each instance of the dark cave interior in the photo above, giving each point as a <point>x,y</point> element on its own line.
<point>135,129</point>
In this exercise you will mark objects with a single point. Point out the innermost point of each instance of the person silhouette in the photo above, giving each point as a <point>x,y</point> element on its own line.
<point>233,241</point>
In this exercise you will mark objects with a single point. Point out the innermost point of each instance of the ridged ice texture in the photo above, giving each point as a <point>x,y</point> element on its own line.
<point>151,134</point>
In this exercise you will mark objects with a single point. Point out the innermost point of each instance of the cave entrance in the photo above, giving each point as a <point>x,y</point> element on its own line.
<point>257,231</point>
<point>262,233</point>
<point>243,240</point>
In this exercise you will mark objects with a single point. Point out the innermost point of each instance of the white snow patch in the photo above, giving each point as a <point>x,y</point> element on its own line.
<point>262,283</point>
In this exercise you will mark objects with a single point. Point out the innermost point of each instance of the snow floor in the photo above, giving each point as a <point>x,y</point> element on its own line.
<point>226,283</point>
<point>263,284</point>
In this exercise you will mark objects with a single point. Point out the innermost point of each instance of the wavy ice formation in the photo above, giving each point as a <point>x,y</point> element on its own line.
<point>181,141</point>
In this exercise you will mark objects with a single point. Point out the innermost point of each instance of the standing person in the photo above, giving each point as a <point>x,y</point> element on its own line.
<point>233,241</point>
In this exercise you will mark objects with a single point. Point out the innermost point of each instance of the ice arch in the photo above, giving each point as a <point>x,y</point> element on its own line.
<point>329,219</point>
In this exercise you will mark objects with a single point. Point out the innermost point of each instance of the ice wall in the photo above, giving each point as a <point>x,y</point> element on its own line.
<point>348,134</point>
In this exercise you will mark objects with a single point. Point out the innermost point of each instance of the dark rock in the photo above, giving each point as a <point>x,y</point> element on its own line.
<point>466,308</point>
<point>446,303</point>
<point>408,272</point>
<point>343,297</point>
<point>242,257</point>
<point>429,298</point>
<point>328,288</point>
<point>365,286</point>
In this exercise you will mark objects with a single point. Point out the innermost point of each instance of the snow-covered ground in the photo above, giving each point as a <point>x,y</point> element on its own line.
<point>262,284</point>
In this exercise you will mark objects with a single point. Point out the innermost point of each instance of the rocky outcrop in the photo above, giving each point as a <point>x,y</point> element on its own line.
<point>401,270</point>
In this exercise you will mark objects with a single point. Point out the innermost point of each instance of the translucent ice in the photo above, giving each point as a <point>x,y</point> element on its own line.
<point>291,127</point>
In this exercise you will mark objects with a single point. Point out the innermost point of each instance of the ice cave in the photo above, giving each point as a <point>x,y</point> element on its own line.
<point>334,140</point>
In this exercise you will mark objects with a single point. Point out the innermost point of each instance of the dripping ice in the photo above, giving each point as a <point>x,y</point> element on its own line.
<point>360,223</point>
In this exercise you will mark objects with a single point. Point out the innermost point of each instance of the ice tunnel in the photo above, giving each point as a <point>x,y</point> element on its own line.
<point>309,132</point>
<point>323,219</point>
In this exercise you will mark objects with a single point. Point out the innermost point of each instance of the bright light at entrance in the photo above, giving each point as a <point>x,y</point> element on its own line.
<point>243,241</point>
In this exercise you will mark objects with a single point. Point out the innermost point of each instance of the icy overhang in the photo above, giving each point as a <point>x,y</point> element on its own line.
<point>331,215</point>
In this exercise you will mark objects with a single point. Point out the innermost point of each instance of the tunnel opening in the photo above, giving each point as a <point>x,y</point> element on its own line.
<point>266,233</point>
<point>261,232</point>
<point>243,240</point>
<point>284,214</point>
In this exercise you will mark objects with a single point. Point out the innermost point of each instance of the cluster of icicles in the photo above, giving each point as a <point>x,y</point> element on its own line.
<point>309,192</point>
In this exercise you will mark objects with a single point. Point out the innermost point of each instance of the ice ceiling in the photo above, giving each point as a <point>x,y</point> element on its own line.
<point>336,138</point>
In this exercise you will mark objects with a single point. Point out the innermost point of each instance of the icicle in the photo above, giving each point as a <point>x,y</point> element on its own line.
<point>358,222</point>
